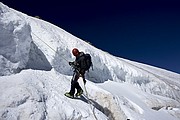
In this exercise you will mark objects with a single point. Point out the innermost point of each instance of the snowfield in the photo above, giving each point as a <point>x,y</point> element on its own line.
<point>34,75</point>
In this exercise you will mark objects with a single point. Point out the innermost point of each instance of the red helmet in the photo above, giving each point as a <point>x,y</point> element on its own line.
<point>75,52</point>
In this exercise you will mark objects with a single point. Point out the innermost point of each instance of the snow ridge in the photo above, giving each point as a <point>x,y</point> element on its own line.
<point>35,74</point>
<point>15,39</point>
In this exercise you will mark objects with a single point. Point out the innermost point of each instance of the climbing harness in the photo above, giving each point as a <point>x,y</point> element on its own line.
<point>89,102</point>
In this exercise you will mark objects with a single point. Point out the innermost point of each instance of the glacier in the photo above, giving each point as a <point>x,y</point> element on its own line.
<point>34,75</point>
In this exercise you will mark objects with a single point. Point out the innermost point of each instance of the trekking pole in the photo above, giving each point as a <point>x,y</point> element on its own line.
<point>49,46</point>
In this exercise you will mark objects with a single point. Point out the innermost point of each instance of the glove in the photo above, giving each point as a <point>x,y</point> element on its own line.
<point>74,65</point>
<point>70,63</point>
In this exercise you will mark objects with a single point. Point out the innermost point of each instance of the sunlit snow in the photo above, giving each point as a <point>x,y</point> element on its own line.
<point>35,74</point>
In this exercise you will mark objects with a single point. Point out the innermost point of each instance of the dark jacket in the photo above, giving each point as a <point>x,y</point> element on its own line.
<point>80,61</point>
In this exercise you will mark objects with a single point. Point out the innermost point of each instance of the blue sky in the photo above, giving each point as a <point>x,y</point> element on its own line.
<point>142,31</point>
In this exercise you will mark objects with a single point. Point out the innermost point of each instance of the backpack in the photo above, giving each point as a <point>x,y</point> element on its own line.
<point>88,62</point>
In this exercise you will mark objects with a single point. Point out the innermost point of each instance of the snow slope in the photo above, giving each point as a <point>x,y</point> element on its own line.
<point>35,74</point>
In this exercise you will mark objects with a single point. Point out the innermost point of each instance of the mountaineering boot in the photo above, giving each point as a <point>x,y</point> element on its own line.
<point>69,95</point>
<point>79,92</point>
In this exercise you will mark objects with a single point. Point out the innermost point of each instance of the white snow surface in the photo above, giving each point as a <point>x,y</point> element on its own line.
<point>35,74</point>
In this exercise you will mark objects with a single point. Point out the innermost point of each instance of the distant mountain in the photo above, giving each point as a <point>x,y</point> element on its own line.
<point>35,74</point>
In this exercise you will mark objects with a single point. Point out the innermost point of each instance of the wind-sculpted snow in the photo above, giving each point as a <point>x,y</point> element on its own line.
<point>37,60</point>
<point>106,67</point>
<point>15,39</point>
<point>121,89</point>
<point>38,95</point>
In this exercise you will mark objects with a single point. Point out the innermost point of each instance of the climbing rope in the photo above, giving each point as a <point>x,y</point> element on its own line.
<point>89,102</point>
<point>49,46</point>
